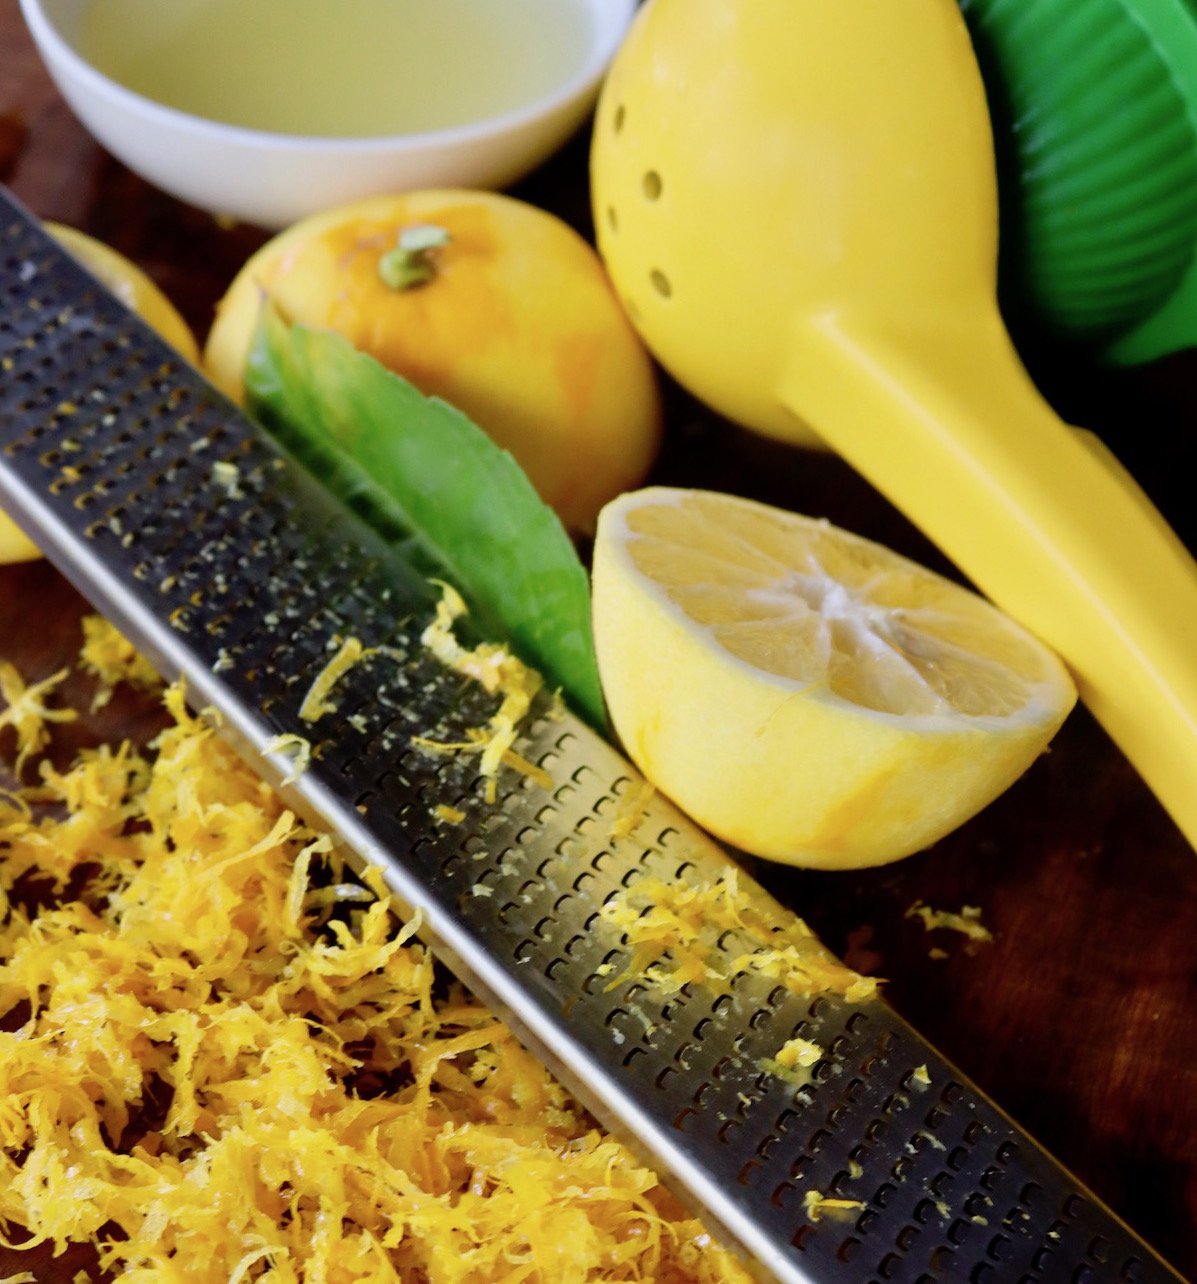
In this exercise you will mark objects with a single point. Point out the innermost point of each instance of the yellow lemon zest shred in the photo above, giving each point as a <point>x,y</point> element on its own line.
<point>967,921</point>
<point>816,1205</point>
<point>296,749</point>
<point>317,703</point>
<point>498,672</point>
<point>112,659</point>
<point>798,1052</point>
<point>633,807</point>
<point>27,712</point>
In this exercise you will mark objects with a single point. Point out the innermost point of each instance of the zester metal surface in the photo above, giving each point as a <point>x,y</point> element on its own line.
<point>228,565</point>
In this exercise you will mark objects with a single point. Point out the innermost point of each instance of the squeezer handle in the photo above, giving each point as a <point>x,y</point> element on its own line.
<point>1040,516</point>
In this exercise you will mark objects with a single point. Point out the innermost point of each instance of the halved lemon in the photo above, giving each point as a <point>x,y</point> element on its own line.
<point>804,694</point>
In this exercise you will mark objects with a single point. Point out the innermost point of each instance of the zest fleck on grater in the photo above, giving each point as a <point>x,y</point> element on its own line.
<point>228,565</point>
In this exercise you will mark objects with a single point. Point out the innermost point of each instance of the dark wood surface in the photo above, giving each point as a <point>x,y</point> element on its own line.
<point>1080,1019</point>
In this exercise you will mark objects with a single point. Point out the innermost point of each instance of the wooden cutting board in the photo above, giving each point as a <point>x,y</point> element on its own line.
<point>1080,1018</point>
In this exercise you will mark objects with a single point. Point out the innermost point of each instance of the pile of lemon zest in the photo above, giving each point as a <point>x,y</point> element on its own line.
<point>809,969</point>
<point>498,672</point>
<point>27,712</point>
<point>112,659</point>
<point>678,923</point>
<point>967,921</point>
<point>295,749</point>
<point>816,1205</point>
<point>317,703</point>
<point>185,1050</point>
<point>199,974</point>
<point>632,810</point>
<point>672,929</point>
<point>448,815</point>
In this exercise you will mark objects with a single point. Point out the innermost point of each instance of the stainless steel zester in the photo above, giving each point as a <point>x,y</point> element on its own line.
<point>238,578</point>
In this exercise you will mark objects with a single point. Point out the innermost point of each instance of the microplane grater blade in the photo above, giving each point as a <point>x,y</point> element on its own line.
<point>240,577</point>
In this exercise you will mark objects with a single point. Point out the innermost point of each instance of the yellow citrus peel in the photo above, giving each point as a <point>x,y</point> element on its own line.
<point>317,703</point>
<point>673,931</point>
<point>967,922</point>
<point>498,672</point>
<point>27,711</point>
<point>112,659</point>
<point>818,1205</point>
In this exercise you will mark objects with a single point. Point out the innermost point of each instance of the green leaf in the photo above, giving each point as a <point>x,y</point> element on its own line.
<point>428,479</point>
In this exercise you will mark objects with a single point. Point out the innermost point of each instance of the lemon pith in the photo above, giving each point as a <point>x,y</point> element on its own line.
<point>807,695</point>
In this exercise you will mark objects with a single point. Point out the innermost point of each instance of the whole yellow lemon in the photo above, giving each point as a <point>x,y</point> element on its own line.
<point>491,303</point>
<point>136,291</point>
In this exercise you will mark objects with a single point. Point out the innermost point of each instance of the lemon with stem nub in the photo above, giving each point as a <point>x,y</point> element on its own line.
<point>136,291</point>
<point>491,303</point>
<point>805,694</point>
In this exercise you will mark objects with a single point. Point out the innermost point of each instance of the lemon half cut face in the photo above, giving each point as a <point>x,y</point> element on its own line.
<point>805,694</point>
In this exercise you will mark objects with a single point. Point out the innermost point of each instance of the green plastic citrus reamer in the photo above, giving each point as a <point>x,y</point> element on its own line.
<point>1094,107</point>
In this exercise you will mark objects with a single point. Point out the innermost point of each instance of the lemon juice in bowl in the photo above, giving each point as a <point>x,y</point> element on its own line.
<point>349,68</point>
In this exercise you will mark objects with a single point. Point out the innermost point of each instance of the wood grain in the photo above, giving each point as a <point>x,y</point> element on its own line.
<point>1079,1019</point>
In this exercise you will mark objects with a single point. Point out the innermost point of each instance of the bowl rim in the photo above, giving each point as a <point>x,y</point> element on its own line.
<point>613,19</point>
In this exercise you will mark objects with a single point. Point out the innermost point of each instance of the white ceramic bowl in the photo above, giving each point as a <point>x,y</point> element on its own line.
<point>273,179</point>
